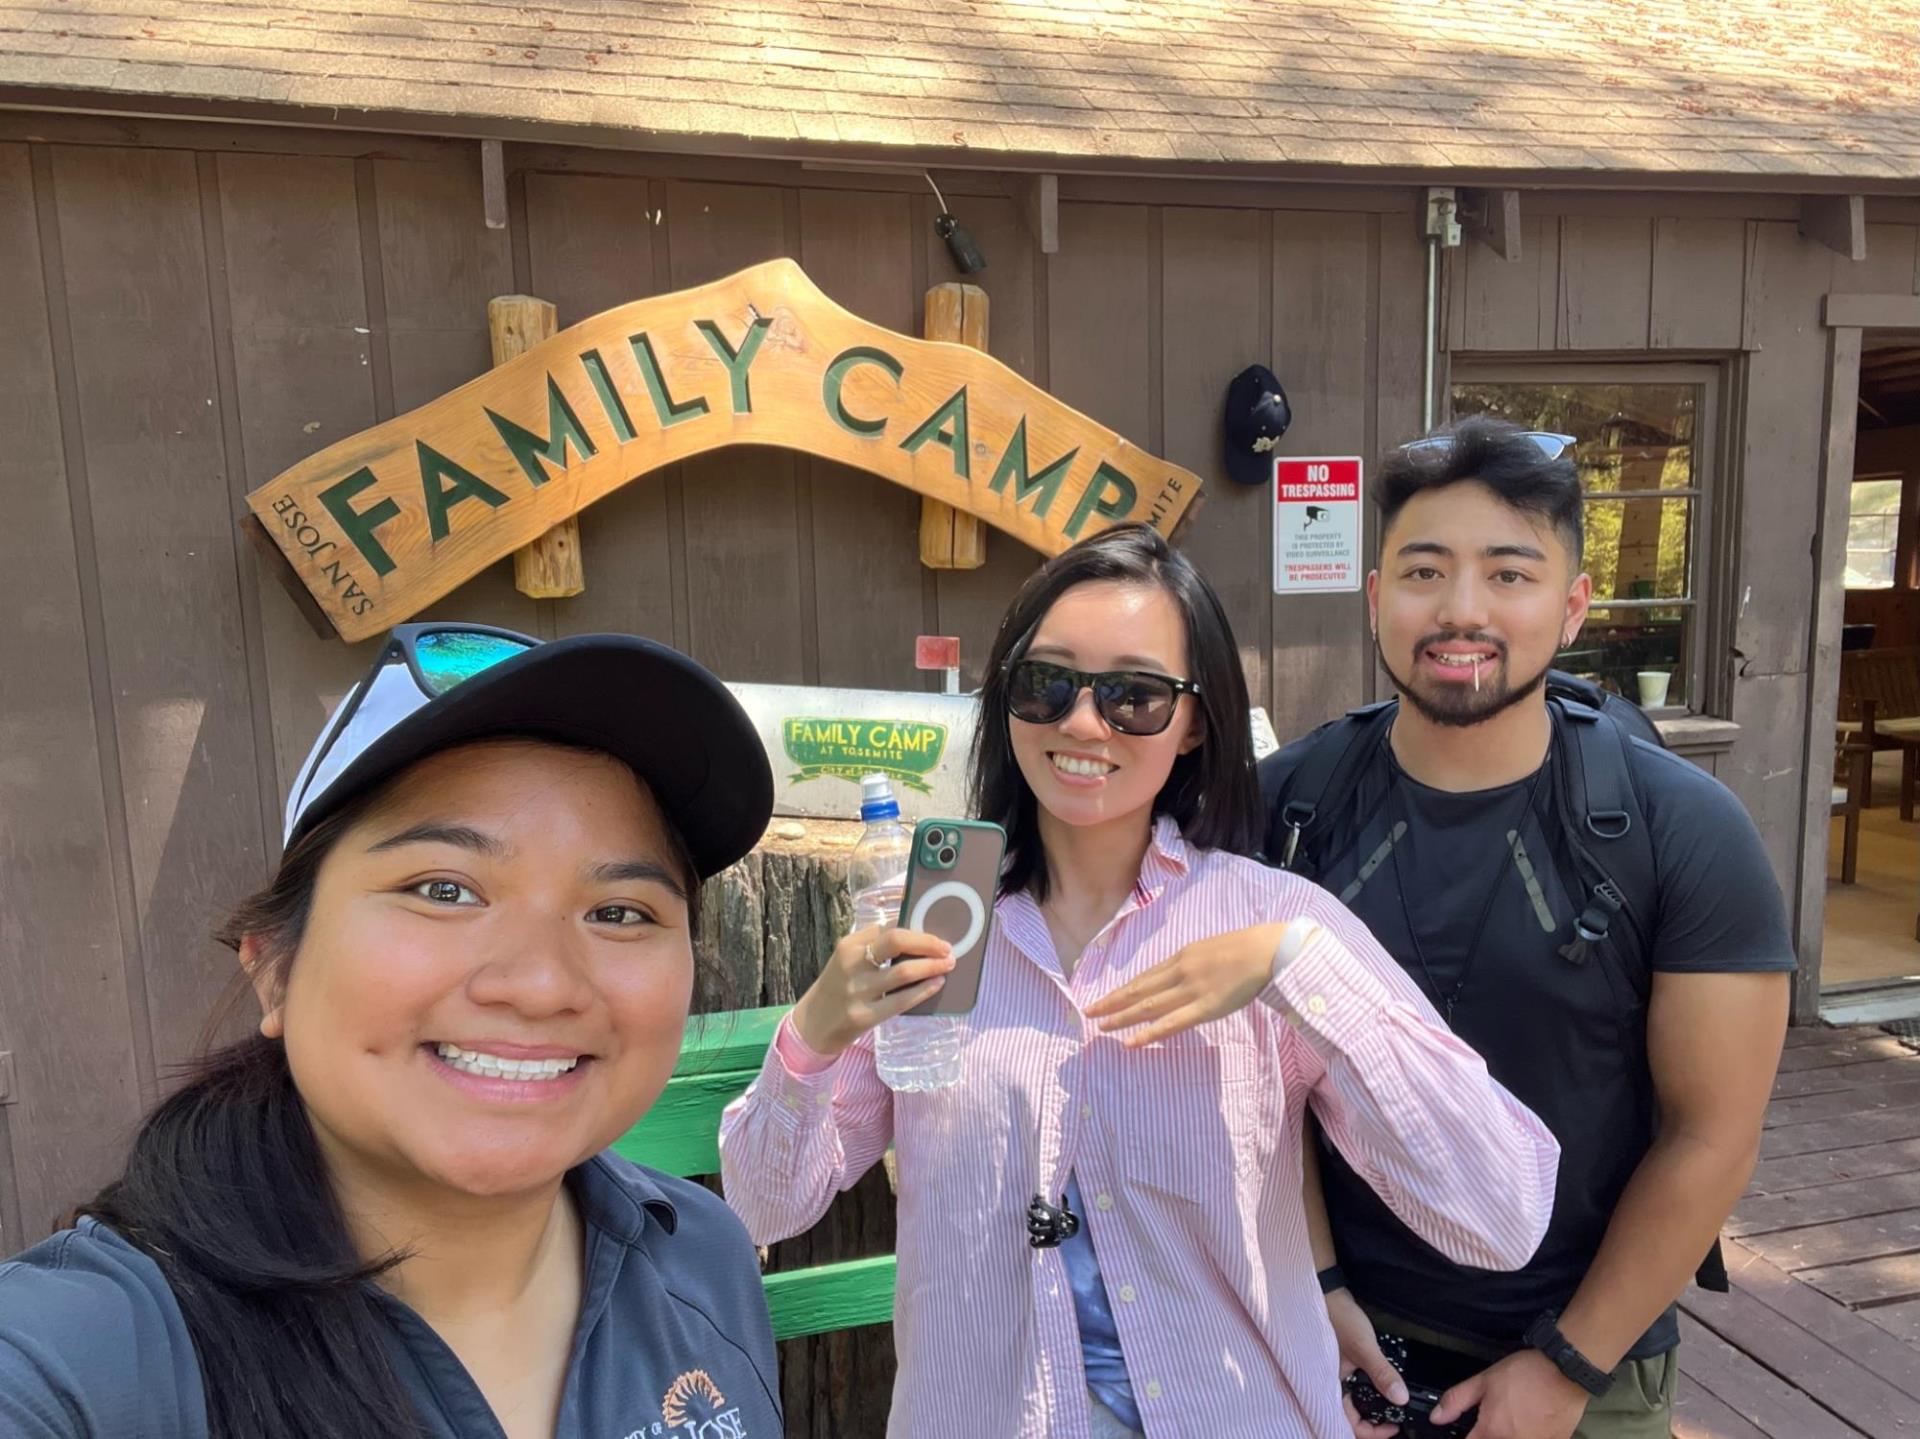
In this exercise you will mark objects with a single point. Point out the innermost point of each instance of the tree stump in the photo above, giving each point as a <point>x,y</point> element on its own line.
<point>766,926</point>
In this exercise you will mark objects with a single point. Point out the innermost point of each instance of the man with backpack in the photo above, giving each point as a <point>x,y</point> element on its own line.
<point>1594,915</point>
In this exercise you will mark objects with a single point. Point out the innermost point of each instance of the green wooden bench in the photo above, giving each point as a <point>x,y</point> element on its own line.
<point>681,1135</point>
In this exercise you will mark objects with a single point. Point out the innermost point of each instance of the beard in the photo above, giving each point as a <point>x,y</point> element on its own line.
<point>1460,706</point>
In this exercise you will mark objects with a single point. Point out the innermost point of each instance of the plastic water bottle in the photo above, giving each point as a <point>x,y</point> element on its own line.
<point>914,1052</point>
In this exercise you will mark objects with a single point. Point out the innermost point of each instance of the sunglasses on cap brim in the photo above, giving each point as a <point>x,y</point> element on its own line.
<point>1550,444</point>
<point>1135,702</point>
<point>436,658</point>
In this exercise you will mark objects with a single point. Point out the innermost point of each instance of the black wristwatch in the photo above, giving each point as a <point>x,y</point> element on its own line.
<point>1545,1336</point>
<point>1331,1279</point>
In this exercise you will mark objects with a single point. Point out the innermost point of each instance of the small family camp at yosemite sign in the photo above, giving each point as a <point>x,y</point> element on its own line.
<point>382,524</point>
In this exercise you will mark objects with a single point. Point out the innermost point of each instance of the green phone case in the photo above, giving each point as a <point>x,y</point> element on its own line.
<point>953,877</point>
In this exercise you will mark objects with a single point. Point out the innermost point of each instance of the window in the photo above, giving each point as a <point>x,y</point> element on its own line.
<point>1644,452</point>
<point>1873,533</point>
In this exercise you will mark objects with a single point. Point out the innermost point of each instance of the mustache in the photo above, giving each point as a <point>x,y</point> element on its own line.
<point>1472,637</point>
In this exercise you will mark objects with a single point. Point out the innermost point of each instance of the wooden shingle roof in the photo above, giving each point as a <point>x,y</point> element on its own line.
<point>1727,88</point>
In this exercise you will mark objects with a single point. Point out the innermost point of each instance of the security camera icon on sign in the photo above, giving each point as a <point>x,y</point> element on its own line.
<point>1315,514</point>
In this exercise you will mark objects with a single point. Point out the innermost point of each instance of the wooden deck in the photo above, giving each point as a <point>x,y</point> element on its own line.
<point>1820,1338</point>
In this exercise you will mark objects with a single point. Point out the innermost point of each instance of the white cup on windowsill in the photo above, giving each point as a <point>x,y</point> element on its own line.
<point>1653,687</point>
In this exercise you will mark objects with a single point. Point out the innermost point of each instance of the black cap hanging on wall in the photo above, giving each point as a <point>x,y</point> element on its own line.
<point>1257,415</point>
<point>967,258</point>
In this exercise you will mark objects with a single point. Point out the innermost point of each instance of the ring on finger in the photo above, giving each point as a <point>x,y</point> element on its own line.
<point>875,960</point>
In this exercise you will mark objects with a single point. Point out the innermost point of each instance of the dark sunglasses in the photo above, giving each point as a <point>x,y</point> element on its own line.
<point>1549,444</point>
<point>1136,702</point>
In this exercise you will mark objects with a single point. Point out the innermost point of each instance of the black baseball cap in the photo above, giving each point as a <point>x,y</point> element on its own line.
<point>433,686</point>
<point>1257,414</point>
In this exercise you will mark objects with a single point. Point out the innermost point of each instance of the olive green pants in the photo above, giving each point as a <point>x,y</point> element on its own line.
<point>1638,1406</point>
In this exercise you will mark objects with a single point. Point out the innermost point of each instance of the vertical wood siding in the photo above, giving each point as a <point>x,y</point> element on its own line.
<point>195,315</point>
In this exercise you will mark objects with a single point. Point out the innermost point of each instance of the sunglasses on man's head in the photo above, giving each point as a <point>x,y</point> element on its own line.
<point>1551,445</point>
<point>1135,702</point>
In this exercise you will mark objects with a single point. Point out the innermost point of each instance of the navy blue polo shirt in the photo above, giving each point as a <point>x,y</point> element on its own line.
<point>673,1340</point>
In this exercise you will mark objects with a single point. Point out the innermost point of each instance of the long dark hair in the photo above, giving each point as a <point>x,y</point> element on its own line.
<point>225,1189</point>
<point>1211,793</point>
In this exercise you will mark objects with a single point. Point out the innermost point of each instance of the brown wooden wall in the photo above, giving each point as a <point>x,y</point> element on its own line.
<point>1894,615</point>
<point>192,308</point>
<point>203,308</point>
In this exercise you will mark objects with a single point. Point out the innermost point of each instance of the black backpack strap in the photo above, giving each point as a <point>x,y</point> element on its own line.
<point>1612,830</point>
<point>1609,828</point>
<point>1607,808</point>
<point>1608,800</point>
<point>1623,712</point>
<point>1321,782</point>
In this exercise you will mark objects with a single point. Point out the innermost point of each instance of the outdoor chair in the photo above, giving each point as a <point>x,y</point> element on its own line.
<point>1880,710</point>
<point>1852,774</point>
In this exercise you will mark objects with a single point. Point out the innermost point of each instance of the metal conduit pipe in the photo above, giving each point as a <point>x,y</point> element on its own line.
<point>1441,226</point>
<point>1427,353</point>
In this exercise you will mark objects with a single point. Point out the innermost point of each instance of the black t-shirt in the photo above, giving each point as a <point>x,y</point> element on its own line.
<point>1475,894</point>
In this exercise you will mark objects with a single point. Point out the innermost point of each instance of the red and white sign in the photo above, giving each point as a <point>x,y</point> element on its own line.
<point>1316,525</point>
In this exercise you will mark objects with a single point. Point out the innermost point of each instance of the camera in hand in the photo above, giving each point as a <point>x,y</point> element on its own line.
<point>1428,1372</point>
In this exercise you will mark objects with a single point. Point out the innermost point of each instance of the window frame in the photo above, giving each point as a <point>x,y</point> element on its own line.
<point>1713,551</point>
<point>1903,547</point>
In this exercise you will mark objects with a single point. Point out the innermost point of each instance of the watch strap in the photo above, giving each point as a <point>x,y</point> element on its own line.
<point>1331,1278</point>
<point>1545,1336</point>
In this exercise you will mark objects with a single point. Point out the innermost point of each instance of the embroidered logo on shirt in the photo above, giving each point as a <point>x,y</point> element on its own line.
<point>694,1408</point>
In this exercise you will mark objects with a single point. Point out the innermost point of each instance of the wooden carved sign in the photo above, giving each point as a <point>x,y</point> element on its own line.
<point>380,525</point>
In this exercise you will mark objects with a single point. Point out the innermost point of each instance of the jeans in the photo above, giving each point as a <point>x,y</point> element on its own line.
<point>1106,1425</point>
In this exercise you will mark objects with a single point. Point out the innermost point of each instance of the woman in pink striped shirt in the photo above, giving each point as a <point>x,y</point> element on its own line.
<point>1186,1305</point>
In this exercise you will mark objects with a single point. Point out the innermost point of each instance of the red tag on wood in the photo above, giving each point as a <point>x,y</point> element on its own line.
<point>936,652</point>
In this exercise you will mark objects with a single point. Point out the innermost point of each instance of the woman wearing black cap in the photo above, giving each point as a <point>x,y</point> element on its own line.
<point>389,1212</point>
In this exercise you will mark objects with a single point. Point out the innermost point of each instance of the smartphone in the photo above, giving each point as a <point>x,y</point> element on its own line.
<point>953,876</point>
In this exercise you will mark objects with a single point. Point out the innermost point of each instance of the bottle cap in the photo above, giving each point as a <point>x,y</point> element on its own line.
<point>876,799</point>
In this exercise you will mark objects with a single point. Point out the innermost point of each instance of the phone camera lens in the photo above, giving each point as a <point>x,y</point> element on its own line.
<point>936,838</point>
<point>947,855</point>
